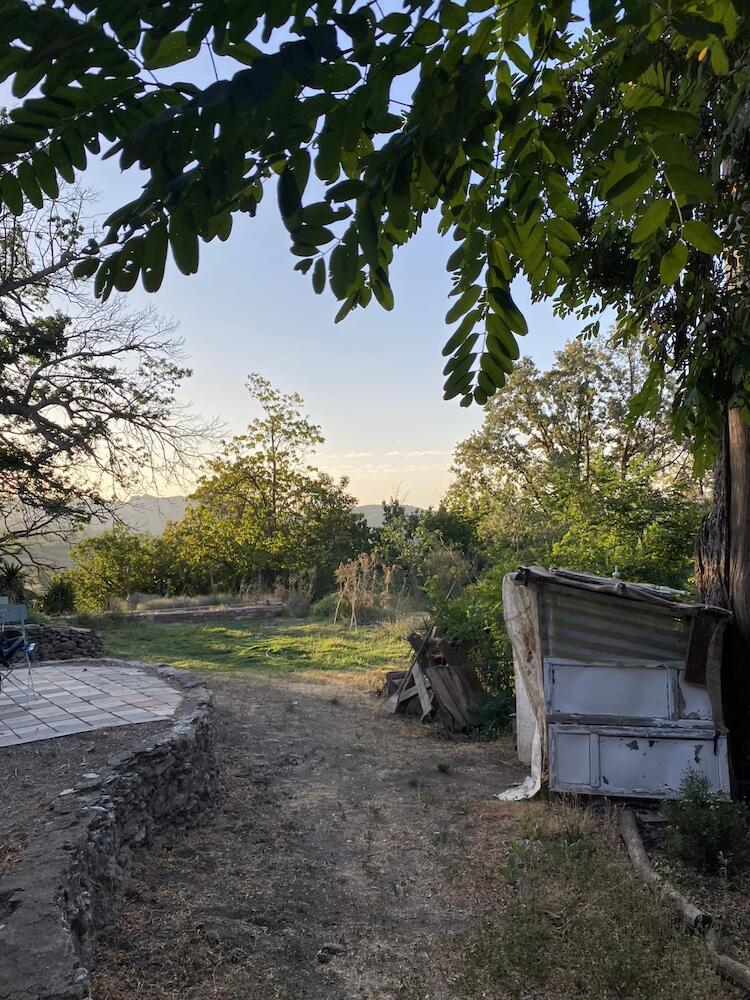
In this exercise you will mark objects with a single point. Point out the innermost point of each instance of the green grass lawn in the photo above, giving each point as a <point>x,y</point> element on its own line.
<point>280,646</point>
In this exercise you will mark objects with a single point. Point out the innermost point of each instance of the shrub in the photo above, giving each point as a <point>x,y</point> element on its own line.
<point>325,608</point>
<point>478,629</point>
<point>297,604</point>
<point>60,597</point>
<point>707,830</point>
<point>13,582</point>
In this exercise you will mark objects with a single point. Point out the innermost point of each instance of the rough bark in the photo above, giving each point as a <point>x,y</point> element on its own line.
<point>723,578</point>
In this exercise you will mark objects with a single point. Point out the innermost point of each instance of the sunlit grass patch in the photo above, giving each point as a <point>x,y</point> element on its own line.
<point>274,647</point>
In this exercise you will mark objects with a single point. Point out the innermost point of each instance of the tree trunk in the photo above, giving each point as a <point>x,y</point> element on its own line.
<point>723,578</point>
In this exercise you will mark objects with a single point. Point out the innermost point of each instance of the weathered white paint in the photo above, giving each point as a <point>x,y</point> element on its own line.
<point>635,761</point>
<point>525,720</point>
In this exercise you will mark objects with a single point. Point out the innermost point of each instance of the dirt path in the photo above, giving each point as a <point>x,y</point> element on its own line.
<point>354,857</point>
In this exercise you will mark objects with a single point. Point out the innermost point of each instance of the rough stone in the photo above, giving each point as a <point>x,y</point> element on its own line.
<point>71,879</point>
<point>64,642</point>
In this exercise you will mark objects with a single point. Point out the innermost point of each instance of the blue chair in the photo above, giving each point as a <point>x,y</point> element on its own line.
<point>15,646</point>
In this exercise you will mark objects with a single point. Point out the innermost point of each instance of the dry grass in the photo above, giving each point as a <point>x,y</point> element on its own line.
<point>581,925</point>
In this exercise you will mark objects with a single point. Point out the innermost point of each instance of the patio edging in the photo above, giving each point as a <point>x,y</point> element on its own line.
<point>71,878</point>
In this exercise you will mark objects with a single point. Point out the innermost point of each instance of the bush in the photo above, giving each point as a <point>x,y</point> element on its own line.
<point>325,608</point>
<point>371,614</point>
<point>297,604</point>
<point>60,597</point>
<point>707,830</point>
<point>477,628</point>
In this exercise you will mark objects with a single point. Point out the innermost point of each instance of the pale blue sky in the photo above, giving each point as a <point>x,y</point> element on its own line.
<point>374,382</point>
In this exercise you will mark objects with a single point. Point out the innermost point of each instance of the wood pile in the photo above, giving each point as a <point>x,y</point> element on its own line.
<point>446,688</point>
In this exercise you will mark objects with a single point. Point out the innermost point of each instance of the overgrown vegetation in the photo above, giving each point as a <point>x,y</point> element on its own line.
<point>581,926</point>
<point>707,831</point>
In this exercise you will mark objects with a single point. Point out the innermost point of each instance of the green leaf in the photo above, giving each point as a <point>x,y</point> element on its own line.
<point>338,271</point>
<point>128,264</point>
<point>505,338</point>
<point>564,231</point>
<point>601,11</point>
<point>673,263</point>
<point>690,187</point>
<point>61,160</point>
<point>630,188</point>
<point>719,59</point>
<point>462,333</point>
<point>85,268</point>
<point>652,219</point>
<point>503,304</point>
<point>672,152</point>
<point>11,193</point>
<point>319,276</point>
<point>167,51</point>
<point>290,199</point>
<point>45,174</point>
<point>515,53</point>
<point>28,182</point>
<point>312,236</point>
<point>154,257</point>
<point>394,24</point>
<point>464,303</point>
<point>702,237</point>
<point>345,190</point>
<point>383,293</point>
<point>668,120</point>
<point>427,33</point>
<point>183,238</point>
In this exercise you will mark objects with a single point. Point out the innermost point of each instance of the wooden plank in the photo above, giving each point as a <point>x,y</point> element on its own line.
<point>467,680</point>
<point>445,695</point>
<point>399,698</point>
<point>425,697</point>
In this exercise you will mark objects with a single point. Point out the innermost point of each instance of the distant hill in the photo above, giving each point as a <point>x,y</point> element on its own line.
<point>147,514</point>
<point>151,515</point>
<point>373,513</point>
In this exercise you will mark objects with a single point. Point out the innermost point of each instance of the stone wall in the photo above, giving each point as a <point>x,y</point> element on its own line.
<point>63,642</point>
<point>70,881</point>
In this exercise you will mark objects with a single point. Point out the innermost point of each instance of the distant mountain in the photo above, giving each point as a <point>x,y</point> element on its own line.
<point>146,514</point>
<point>151,515</point>
<point>373,513</point>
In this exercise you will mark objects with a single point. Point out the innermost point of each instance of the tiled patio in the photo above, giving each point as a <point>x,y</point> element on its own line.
<point>75,698</point>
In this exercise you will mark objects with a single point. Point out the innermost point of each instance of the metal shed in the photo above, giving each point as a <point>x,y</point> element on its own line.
<point>618,687</point>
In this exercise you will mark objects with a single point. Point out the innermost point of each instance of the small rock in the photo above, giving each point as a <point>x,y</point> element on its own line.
<point>327,951</point>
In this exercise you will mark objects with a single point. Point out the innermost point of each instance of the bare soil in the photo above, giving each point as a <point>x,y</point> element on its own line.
<point>34,774</point>
<point>354,856</point>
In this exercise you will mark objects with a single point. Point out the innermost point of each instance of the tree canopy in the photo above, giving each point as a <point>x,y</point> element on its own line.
<point>561,474</point>
<point>261,513</point>
<point>87,389</point>
<point>602,156</point>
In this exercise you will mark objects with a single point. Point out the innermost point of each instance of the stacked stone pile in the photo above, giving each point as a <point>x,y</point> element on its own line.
<point>63,642</point>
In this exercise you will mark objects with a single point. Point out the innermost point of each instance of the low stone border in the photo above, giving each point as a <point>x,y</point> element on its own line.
<point>65,642</point>
<point>71,879</point>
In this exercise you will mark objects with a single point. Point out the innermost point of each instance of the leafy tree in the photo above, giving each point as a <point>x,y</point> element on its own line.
<point>559,473</point>
<point>111,565</point>
<point>602,157</point>
<point>260,512</point>
<point>87,396</point>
